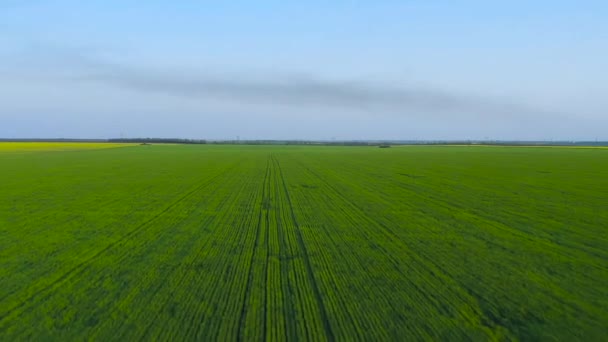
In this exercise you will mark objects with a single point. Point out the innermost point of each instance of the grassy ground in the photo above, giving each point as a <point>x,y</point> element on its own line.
<point>316,243</point>
<point>15,147</point>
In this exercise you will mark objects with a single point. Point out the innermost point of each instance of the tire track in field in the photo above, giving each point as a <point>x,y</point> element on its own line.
<point>309,270</point>
<point>40,230</point>
<point>438,272</point>
<point>496,223</point>
<point>265,199</point>
<point>183,275</point>
<point>486,316</point>
<point>180,274</point>
<point>388,232</point>
<point>79,268</point>
<point>267,259</point>
<point>227,298</point>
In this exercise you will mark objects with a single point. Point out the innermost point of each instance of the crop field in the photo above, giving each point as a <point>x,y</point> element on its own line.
<point>204,242</point>
<point>17,147</point>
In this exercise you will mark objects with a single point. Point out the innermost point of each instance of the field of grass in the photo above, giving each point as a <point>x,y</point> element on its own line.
<point>313,243</point>
<point>15,147</point>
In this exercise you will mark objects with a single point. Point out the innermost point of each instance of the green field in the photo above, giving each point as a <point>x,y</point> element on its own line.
<point>316,243</point>
<point>21,147</point>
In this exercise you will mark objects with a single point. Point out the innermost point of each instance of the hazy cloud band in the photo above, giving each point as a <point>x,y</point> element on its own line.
<point>272,88</point>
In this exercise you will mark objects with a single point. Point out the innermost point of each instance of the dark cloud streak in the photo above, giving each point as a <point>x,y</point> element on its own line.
<point>299,91</point>
<point>303,91</point>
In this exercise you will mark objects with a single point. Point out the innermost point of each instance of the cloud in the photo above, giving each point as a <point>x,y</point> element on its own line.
<point>295,90</point>
<point>299,90</point>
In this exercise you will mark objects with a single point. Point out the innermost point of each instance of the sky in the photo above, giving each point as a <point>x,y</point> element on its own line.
<point>322,70</point>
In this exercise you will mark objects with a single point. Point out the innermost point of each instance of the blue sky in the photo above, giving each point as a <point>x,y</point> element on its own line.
<point>304,70</point>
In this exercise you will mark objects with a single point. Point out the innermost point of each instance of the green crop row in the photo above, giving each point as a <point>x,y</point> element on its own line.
<point>170,242</point>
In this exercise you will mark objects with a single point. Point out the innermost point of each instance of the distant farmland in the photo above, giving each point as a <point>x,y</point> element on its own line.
<point>18,147</point>
<point>181,242</point>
